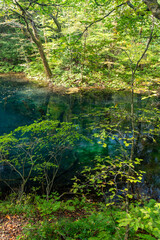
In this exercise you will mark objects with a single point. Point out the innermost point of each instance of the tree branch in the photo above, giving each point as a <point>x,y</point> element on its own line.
<point>45,4</point>
<point>102,4</point>
<point>59,29</point>
<point>99,20</point>
<point>154,7</point>
<point>131,5</point>
<point>145,50</point>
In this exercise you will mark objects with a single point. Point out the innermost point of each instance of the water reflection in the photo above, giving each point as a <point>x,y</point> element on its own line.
<point>21,103</point>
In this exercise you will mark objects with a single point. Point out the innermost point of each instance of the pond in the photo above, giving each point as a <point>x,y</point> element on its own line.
<point>95,112</point>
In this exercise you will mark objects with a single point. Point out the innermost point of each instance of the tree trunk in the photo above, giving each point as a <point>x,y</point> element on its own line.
<point>32,30</point>
<point>36,39</point>
<point>154,7</point>
<point>44,60</point>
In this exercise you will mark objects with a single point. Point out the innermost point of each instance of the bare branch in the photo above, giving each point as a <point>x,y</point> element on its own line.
<point>131,5</point>
<point>46,4</point>
<point>59,29</point>
<point>145,50</point>
<point>98,4</point>
<point>99,20</point>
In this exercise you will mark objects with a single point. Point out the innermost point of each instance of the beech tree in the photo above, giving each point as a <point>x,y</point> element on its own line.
<point>26,13</point>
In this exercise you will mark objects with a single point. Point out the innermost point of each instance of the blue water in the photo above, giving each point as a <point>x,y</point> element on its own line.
<point>21,103</point>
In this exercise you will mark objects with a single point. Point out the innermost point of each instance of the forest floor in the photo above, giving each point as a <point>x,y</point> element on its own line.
<point>11,226</point>
<point>146,87</point>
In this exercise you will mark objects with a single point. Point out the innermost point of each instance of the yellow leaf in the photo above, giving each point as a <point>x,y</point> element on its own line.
<point>104,145</point>
<point>7,216</point>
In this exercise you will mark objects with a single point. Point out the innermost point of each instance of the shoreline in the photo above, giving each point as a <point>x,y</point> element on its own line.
<point>21,77</point>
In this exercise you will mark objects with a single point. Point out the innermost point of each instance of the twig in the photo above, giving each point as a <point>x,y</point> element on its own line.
<point>99,20</point>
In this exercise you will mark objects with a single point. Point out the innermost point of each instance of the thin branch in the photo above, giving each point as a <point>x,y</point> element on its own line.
<point>143,54</point>
<point>14,168</point>
<point>146,49</point>
<point>102,5</point>
<point>130,60</point>
<point>47,26</point>
<point>9,186</point>
<point>99,20</point>
<point>46,5</point>
<point>56,22</point>
<point>131,5</point>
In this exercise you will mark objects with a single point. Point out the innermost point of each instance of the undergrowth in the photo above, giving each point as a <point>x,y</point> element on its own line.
<point>81,218</point>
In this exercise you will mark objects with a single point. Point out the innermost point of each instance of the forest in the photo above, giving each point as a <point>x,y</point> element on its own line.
<point>79,119</point>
